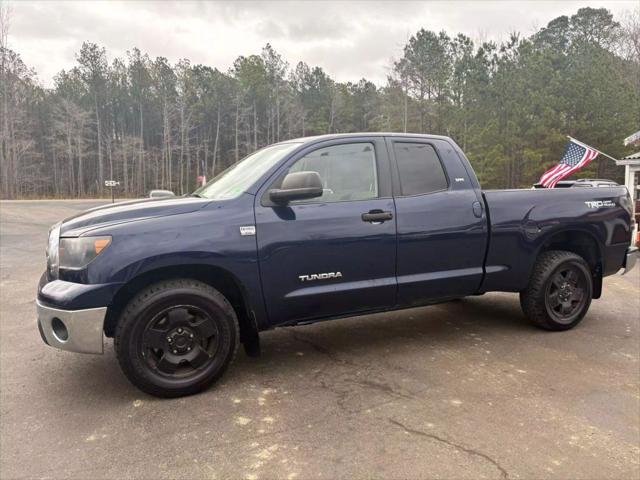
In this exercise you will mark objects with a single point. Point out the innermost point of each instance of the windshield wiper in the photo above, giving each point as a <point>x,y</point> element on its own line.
<point>197,195</point>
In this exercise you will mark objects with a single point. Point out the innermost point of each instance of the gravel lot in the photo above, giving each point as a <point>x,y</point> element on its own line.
<point>461,390</point>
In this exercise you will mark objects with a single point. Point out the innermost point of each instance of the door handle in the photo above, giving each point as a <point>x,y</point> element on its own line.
<point>376,216</point>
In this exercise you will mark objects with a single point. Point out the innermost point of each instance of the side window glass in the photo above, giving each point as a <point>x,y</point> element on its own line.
<point>348,172</point>
<point>419,168</point>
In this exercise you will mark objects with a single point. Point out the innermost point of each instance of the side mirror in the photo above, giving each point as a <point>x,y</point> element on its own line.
<point>161,193</point>
<point>297,186</point>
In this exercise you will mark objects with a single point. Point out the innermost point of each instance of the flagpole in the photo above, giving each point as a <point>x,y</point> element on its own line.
<point>587,146</point>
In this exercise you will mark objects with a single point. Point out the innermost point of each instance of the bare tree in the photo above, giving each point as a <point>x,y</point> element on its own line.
<point>71,130</point>
<point>629,40</point>
<point>5,14</point>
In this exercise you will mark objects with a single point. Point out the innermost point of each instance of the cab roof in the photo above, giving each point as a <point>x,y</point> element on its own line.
<point>332,136</point>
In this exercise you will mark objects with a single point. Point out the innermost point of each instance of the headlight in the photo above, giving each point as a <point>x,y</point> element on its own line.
<point>78,252</point>
<point>52,251</point>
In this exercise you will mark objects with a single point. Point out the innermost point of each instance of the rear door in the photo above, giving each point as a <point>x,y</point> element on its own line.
<point>441,224</point>
<point>325,256</point>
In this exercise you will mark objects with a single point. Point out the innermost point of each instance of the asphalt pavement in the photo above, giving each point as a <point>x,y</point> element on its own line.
<point>461,390</point>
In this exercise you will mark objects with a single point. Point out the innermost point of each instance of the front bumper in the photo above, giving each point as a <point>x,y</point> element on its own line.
<point>72,330</point>
<point>630,259</point>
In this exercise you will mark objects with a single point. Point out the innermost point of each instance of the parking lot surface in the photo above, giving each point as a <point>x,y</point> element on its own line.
<point>461,390</point>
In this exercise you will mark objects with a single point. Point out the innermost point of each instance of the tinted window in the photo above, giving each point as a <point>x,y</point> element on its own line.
<point>419,168</point>
<point>348,172</point>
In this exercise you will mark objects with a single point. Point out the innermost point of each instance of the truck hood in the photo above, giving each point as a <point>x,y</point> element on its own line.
<point>123,212</point>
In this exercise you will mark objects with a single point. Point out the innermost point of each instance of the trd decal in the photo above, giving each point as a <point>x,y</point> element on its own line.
<point>600,204</point>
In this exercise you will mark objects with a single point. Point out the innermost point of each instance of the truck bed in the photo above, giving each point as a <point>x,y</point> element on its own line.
<point>523,221</point>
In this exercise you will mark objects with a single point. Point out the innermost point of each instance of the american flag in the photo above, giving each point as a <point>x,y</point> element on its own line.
<point>576,156</point>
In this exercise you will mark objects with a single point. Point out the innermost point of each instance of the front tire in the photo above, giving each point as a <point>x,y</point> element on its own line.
<point>559,291</point>
<point>176,338</point>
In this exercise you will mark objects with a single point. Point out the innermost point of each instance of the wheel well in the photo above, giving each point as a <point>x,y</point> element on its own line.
<point>583,244</point>
<point>218,278</point>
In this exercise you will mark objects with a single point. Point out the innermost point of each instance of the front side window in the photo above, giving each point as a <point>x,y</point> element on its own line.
<point>419,168</point>
<point>348,172</point>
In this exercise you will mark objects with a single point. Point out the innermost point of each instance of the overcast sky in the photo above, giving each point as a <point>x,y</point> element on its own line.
<point>350,40</point>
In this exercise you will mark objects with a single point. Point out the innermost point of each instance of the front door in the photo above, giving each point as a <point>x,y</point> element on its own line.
<point>327,256</point>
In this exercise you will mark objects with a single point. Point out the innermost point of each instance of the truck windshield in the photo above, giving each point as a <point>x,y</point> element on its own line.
<point>239,177</point>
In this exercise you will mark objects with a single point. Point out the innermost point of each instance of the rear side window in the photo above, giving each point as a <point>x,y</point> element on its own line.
<point>419,168</point>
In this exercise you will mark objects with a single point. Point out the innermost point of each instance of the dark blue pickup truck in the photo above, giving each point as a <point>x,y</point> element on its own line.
<point>313,229</point>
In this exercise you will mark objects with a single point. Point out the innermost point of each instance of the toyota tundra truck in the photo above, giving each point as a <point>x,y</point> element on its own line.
<point>313,229</point>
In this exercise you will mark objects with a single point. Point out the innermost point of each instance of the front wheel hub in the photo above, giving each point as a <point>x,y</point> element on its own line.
<point>180,341</point>
<point>565,293</point>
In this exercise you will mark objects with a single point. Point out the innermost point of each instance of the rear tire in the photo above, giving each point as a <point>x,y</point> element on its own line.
<point>176,338</point>
<point>559,292</point>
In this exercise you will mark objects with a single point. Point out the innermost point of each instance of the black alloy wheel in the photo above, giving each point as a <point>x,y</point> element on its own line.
<point>566,293</point>
<point>559,292</point>
<point>176,337</point>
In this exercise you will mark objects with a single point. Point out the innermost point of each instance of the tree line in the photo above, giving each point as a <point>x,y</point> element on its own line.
<point>151,124</point>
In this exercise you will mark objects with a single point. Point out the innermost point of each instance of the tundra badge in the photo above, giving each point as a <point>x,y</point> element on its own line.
<point>319,276</point>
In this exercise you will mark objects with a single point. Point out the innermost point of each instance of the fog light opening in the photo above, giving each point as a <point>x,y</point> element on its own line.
<point>59,330</point>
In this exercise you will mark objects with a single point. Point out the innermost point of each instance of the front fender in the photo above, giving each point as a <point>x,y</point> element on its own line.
<point>208,238</point>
